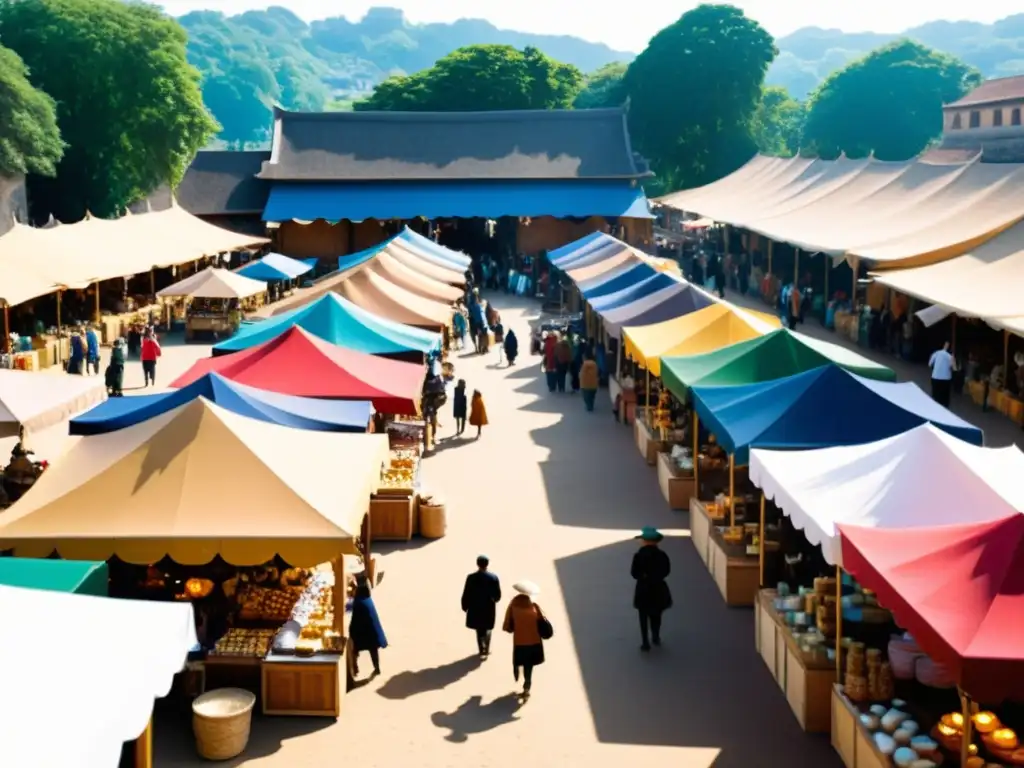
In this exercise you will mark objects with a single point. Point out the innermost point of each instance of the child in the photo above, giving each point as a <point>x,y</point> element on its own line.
<point>478,413</point>
<point>459,407</point>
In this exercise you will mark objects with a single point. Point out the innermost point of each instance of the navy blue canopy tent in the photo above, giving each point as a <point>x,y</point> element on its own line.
<point>658,281</point>
<point>819,408</point>
<point>286,410</point>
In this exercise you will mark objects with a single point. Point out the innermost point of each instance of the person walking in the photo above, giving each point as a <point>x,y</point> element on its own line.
<point>459,407</point>
<point>92,351</point>
<point>480,595</point>
<point>563,359</point>
<point>458,329</point>
<point>942,366</point>
<point>76,362</point>
<point>526,622</point>
<point>511,347</point>
<point>651,596</point>
<point>478,413</point>
<point>550,360</point>
<point>150,352</point>
<point>114,376</point>
<point>365,628</point>
<point>795,300</point>
<point>577,363</point>
<point>589,379</point>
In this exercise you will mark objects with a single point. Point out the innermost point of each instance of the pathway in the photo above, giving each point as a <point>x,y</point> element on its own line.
<point>552,494</point>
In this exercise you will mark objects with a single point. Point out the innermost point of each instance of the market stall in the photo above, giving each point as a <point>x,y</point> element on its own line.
<point>78,577</point>
<point>297,363</point>
<point>213,301</point>
<point>286,410</point>
<point>931,581</point>
<point>434,251</point>
<point>157,497</point>
<point>339,322</point>
<point>798,412</point>
<point>99,711</point>
<point>35,402</point>
<point>277,267</point>
<point>879,485</point>
<point>678,299</point>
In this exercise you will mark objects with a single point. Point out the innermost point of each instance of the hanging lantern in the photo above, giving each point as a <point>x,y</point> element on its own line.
<point>198,588</point>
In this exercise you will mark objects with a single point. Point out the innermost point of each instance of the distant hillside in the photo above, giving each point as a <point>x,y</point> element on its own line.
<point>810,54</point>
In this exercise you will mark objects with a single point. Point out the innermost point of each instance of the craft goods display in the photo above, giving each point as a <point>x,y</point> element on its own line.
<point>992,745</point>
<point>238,641</point>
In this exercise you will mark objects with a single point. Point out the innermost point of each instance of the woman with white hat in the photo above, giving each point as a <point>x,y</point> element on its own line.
<point>529,628</point>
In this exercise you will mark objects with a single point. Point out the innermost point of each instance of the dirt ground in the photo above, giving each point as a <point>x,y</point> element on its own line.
<point>553,494</point>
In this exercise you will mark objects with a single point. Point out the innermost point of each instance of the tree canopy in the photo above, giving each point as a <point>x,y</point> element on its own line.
<point>603,88</point>
<point>888,102</point>
<point>29,138</point>
<point>481,78</point>
<point>128,103</point>
<point>694,91</point>
<point>778,122</point>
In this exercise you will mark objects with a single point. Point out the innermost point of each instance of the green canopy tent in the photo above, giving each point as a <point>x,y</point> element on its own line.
<point>80,577</point>
<point>774,355</point>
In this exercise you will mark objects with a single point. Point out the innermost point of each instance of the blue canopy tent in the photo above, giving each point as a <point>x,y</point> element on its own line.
<point>658,281</point>
<point>564,256</point>
<point>658,307</point>
<point>823,407</point>
<point>620,281</point>
<point>338,321</point>
<point>275,266</point>
<point>286,410</point>
<point>428,247</point>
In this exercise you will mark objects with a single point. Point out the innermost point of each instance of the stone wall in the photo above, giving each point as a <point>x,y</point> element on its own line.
<point>13,202</point>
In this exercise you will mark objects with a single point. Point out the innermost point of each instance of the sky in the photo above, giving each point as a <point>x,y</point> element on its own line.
<point>631,33</point>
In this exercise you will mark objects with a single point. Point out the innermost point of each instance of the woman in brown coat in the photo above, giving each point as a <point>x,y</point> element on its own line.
<point>478,412</point>
<point>525,621</point>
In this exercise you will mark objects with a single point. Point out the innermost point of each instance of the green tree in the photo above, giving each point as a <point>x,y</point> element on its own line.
<point>481,78</point>
<point>888,102</point>
<point>778,123</point>
<point>603,88</point>
<point>128,103</point>
<point>694,91</point>
<point>29,138</point>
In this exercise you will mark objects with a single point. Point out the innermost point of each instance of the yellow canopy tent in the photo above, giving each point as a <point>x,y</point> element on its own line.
<point>702,331</point>
<point>197,482</point>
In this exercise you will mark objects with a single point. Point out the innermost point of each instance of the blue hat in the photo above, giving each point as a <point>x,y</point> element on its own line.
<point>650,533</point>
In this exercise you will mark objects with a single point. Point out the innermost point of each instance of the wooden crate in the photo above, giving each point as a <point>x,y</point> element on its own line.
<point>311,687</point>
<point>677,490</point>
<point>391,518</point>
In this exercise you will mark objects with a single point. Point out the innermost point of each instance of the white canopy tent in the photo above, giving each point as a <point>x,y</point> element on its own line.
<point>61,708</point>
<point>36,401</point>
<point>923,477</point>
<point>214,283</point>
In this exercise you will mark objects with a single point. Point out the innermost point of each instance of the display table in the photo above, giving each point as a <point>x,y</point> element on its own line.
<point>850,739</point>
<point>806,679</point>
<point>676,488</point>
<point>309,686</point>
<point>391,517</point>
<point>700,527</point>
<point>647,441</point>
<point>736,573</point>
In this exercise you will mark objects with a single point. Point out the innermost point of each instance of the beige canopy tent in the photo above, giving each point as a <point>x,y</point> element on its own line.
<point>214,283</point>
<point>197,482</point>
<point>407,253</point>
<point>36,401</point>
<point>898,214</point>
<point>984,283</point>
<point>393,267</point>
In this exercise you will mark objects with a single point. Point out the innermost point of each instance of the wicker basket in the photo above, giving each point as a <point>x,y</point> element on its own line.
<point>433,520</point>
<point>220,722</point>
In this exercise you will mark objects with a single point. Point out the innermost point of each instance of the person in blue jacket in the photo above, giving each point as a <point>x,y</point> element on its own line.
<point>365,628</point>
<point>92,351</point>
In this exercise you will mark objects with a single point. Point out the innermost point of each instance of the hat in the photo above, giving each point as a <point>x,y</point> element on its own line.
<point>526,588</point>
<point>650,533</point>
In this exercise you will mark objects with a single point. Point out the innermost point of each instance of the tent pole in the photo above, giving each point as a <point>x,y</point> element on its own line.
<point>96,309</point>
<point>647,400</point>
<point>760,547</point>
<point>696,453</point>
<point>853,292</point>
<point>144,747</point>
<point>839,624</point>
<point>152,283</point>
<point>7,328</point>
<point>965,742</point>
<point>952,346</point>
<point>58,325</point>
<point>828,268</point>
<point>1006,354</point>
<point>796,268</point>
<point>771,243</point>
<point>732,490</point>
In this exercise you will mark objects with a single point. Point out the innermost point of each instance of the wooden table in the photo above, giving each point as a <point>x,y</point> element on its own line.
<point>736,574</point>
<point>807,680</point>
<point>677,489</point>
<point>850,738</point>
<point>311,686</point>
<point>647,442</point>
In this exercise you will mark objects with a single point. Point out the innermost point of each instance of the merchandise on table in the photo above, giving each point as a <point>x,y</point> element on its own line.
<point>238,641</point>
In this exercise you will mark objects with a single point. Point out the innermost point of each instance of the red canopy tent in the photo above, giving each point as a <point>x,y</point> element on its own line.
<point>296,363</point>
<point>958,589</point>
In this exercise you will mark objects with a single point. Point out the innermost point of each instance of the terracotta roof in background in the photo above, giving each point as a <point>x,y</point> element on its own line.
<point>434,146</point>
<point>993,91</point>
<point>223,182</point>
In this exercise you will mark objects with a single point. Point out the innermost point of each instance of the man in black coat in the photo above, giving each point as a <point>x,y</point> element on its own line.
<point>479,598</point>
<point>651,597</point>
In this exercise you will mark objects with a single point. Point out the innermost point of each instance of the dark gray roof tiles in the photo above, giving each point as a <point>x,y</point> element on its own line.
<point>431,146</point>
<point>224,182</point>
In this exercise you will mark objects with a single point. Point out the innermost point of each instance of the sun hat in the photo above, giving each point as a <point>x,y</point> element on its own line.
<point>650,533</point>
<point>526,588</point>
